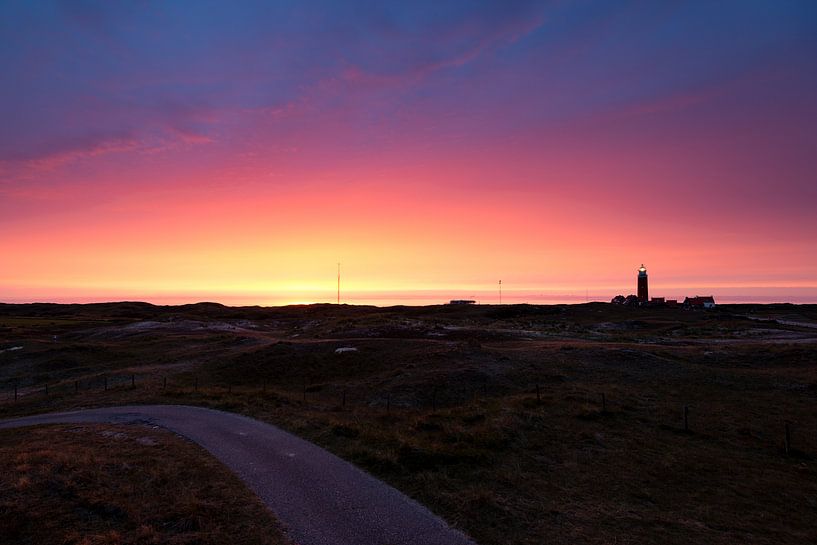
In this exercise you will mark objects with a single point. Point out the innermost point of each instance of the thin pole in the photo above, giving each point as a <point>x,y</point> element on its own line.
<point>338,283</point>
<point>500,292</point>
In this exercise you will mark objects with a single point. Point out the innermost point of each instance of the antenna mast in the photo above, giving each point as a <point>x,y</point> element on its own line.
<point>500,292</point>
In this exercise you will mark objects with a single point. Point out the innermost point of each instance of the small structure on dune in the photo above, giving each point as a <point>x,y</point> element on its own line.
<point>462,302</point>
<point>698,302</point>
<point>632,301</point>
<point>662,302</point>
<point>629,301</point>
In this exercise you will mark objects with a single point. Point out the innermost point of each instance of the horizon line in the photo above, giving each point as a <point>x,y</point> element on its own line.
<point>728,301</point>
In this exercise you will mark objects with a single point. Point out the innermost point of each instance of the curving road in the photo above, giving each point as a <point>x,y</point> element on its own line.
<point>319,498</point>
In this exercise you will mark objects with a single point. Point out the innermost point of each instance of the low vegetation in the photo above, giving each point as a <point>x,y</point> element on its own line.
<point>519,424</point>
<point>111,485</point>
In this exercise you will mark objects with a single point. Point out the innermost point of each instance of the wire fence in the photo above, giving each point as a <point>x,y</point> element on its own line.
<point>334,397</point>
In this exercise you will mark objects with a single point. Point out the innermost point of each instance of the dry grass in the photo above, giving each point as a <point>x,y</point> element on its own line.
<point>112,485</point>
<point>490,458</point>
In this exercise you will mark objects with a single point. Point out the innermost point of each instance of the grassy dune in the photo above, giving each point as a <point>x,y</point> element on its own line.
<point>442,402</point>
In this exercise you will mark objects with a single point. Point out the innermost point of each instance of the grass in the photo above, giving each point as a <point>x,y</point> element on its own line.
<point>441,403</point>
<point>112,485</point>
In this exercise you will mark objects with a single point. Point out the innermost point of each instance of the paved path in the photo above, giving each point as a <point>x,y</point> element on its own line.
<point>320,499</point>
<point>812,325</point>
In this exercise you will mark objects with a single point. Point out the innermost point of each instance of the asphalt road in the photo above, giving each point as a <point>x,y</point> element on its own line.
<point>319,498</point>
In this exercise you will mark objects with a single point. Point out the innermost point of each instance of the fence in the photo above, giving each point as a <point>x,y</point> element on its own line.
<point>334,398</point>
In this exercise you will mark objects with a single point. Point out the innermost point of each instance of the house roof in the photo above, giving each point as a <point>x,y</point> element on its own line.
<point>698,300</point>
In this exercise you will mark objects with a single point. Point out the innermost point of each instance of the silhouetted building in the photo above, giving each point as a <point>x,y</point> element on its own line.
<point>643,292</point>
<point>661,302</point>
<point>699,302</point>
<point>643,300</point>
<point>462,302</point>
<point>631,301</point>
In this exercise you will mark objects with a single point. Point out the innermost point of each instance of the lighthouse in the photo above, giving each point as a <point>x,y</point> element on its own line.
<point>643,295</point>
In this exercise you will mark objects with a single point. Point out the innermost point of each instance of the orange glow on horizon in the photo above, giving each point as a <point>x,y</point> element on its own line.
<point>283,246</point>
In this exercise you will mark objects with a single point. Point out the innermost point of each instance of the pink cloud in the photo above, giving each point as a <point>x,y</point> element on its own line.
<point>56,154</point>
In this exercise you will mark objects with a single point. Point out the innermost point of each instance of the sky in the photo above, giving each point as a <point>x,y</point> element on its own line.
<point>230,151</point>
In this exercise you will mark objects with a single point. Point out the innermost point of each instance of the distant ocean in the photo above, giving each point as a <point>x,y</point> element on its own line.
<point>568,299</point>
<point>406,298</point>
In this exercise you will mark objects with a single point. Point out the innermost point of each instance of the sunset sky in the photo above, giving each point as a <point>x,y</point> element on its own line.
<point>236,151</point>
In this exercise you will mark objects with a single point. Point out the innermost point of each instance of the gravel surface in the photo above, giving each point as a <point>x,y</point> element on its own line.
<point>319,498</point>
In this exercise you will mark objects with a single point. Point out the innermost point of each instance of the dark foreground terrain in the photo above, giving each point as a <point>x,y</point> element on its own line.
<point>519,424</point>
<point>109,485</point>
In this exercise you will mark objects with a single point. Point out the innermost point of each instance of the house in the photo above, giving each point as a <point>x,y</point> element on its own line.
<point>699,302</point>
<point>629,301</point>
<point>632,301</point>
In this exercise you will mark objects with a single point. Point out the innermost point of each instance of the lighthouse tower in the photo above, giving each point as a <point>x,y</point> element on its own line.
<point>643,295</point>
